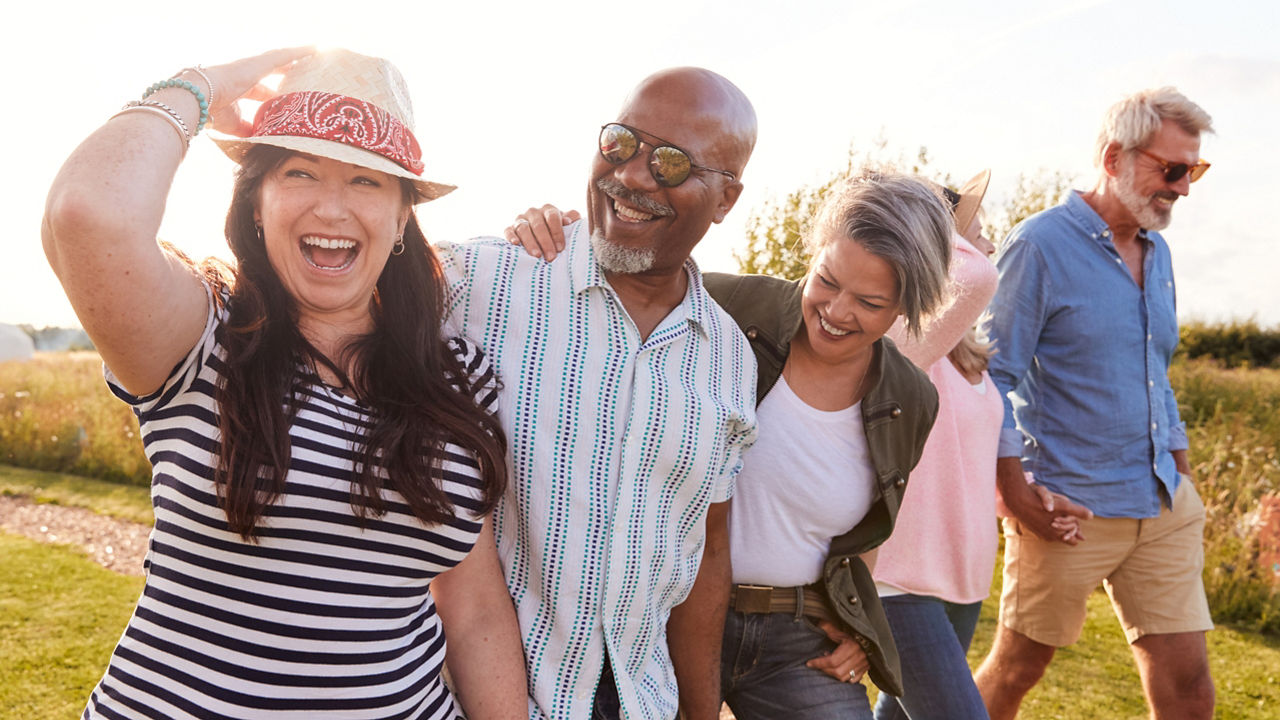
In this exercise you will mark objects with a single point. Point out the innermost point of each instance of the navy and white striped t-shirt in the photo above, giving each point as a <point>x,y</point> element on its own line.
<point>324,616</point>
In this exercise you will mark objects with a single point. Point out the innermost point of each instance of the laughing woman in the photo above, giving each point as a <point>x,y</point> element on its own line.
<point>323,458</point>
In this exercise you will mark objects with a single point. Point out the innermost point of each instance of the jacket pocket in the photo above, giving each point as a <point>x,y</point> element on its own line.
<point>852,595</point>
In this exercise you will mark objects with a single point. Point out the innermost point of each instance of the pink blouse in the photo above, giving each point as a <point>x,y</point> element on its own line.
<point>944,544</point>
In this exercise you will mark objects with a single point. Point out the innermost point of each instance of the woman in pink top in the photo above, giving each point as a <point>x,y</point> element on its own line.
<point>935,570</point>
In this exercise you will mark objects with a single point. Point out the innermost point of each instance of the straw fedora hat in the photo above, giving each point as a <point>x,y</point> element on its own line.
<point>971,194</point>
<point>347,107</point>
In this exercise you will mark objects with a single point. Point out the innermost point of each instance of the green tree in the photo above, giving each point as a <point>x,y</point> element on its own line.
<point>776,230</point>
<point>1032,193</point>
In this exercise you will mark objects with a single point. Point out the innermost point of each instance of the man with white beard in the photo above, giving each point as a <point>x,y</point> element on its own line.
<point>1084,324</point>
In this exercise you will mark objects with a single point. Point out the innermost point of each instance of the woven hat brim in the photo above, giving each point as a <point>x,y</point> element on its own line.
<point>971,194</point>
<point>236,147</point>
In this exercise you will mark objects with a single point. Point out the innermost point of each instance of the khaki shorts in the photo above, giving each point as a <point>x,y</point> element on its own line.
<point>1151,568</point>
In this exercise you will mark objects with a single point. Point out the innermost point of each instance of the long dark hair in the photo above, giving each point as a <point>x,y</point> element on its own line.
<point>419,394</point>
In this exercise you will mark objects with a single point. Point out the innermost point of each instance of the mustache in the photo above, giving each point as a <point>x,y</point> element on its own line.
<point>618,191</point>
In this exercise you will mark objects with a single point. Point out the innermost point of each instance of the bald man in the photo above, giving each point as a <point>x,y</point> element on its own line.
<point>628,397</point>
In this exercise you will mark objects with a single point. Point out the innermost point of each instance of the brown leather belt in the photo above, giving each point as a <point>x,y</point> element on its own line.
<point>806,600</point>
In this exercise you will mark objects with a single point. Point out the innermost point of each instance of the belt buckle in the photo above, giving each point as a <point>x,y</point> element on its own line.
<point>752,598</point>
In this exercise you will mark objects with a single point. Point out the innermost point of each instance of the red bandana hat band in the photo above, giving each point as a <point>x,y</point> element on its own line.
<point>343,119</point>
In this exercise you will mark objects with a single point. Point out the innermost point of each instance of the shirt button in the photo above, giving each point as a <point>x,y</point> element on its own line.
<point>1153,426</point>
<point>895,412</point>
<point>1148,336</point>
<point>853,599</point>
<point>752,333</point>
<point>1151,383</point>
<point>1106,233</point>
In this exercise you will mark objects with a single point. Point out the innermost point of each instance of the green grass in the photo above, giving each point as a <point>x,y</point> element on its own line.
<point>60,616</point>
<point>126,502</point>
<point>1096,677</point>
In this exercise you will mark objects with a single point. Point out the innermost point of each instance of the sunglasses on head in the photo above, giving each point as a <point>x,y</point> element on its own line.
<point>668,164</point>
<point>1173,172</point>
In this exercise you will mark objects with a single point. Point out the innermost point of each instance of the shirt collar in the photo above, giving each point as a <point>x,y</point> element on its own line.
<point>1092,221</point>
<point>585,274</point>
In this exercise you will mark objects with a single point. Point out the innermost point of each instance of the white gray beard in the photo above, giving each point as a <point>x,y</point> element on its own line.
<point>1148,218</point>
<point>616,258</point>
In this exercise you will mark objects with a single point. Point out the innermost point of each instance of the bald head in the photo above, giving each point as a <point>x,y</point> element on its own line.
<point>708,106</point>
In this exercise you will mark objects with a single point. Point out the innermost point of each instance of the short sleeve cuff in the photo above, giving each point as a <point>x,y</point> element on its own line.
<point>1010,443</point>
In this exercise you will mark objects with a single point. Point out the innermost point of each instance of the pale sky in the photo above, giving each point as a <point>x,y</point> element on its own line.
<point>509,97</point>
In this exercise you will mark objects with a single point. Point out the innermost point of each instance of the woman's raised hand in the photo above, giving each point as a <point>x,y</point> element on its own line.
<point>241,80</point>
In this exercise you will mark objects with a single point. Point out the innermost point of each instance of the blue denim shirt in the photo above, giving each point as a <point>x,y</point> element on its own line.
<point>1082,361</point>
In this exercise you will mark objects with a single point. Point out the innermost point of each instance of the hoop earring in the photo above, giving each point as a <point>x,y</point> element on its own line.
<point>398,248</point>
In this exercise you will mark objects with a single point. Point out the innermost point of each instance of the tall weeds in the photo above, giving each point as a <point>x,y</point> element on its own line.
<point>1233,425</point>
<point>56,413</point>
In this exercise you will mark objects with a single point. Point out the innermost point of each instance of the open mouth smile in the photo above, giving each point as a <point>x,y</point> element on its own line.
<point>832,329</point>
<point>629,214</point>
<point>329,254</point>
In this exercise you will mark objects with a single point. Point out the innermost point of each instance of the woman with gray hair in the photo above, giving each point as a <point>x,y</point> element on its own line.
<point>843,417</point>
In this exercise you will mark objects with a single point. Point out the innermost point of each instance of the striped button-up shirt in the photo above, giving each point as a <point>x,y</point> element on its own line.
<point>618,445</point>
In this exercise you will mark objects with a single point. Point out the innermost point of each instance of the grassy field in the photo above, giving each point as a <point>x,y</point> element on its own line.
<point>124,502</point>
<point>1233,425</point>
<point>60,615</point>
<point>57,415</point>
<point>1095,678</point>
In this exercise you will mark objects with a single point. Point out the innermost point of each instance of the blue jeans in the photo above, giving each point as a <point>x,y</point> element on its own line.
<point>763,673</point>
<point>932,636</point>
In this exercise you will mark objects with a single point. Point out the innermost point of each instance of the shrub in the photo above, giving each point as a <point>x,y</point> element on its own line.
<point>1233,344</point>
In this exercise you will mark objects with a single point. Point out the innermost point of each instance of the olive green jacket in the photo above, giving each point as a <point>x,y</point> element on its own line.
<point>897,413</point>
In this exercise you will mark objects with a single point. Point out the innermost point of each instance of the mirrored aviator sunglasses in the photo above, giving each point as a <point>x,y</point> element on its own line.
<point>1173,172</point>
<point>668,164</point>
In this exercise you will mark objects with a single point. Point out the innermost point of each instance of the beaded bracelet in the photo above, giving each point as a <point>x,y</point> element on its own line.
<point>167,113</point>
<point>188,86</point>
<point>200,71</point>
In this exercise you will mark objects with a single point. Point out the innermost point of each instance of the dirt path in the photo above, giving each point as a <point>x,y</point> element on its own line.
<point>114,544</point>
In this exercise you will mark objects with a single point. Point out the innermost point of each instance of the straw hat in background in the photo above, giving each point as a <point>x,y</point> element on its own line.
<point>965,208</point>
<point>343,106</point>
